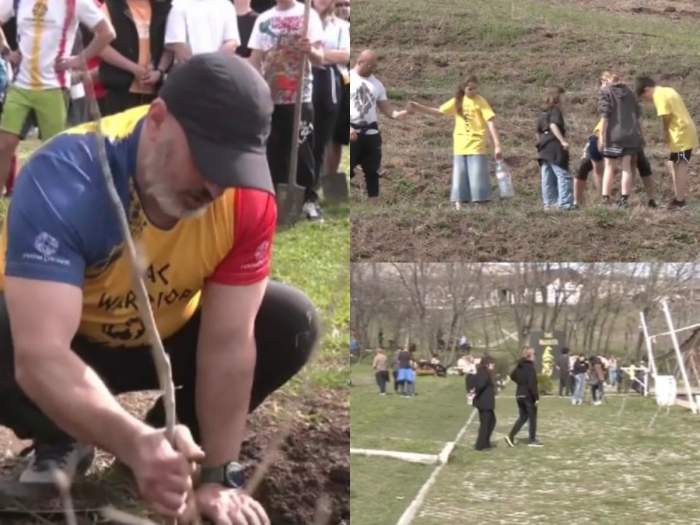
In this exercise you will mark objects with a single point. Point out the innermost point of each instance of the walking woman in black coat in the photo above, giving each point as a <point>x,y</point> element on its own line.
<point>527,395</point>
<point>485,401</point>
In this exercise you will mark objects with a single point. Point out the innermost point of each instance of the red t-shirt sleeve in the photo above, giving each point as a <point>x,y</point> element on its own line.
<point>255,219</point>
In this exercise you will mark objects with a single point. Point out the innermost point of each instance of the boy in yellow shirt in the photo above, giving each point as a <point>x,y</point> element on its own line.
<point>679,131</point>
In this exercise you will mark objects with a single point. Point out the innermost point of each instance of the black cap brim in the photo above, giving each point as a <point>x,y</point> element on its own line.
<point>227,167</point>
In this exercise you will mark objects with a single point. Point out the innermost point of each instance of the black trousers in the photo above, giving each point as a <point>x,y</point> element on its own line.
<point>564,384</point>
<point>279,147</point>
<point>286,331</point>
<point>117,101</point>
<point>326,100</point>
<point>382,378</point>
<point>528,413</point>
<point>487,422</point>
<point>366,152</point>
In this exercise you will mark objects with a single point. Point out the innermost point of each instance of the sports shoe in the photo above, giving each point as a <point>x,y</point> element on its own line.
<point>623,203</point>
<point>652,203</point>
<point>535,443</point>
<point>71,457</point>
<point>312,211</point>
<point>676,204</point>
<point>605,200</point>
<point>509,441</point>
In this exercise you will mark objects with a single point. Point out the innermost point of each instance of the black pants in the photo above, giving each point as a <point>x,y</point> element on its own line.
<point>279,147</point>
<point>487,422</point>
<point>117,101</point>
<point>382,378</point>
<point>286,331</point>
<point>528,412</point>
<point>326,99</point>
<point>366,152</point>
<point>564,384</point>
<point>341,135</point>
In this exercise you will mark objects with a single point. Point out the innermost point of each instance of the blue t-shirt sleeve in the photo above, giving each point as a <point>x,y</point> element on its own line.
<point>43,240</point>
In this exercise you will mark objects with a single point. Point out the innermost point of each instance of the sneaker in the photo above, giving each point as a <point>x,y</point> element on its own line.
<point>652,204</point>
<point>605,200</point>
<point>312,211</point>
<point>509,441</point>
<point>73,458</point>
<point>623,203</point>
<point>535,443</point>
<point>676,204</point>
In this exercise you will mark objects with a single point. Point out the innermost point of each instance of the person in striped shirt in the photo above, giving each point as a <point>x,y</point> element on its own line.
<point>46,31</point>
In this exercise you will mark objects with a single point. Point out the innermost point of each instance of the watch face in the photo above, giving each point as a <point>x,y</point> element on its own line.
<point>233,474</point>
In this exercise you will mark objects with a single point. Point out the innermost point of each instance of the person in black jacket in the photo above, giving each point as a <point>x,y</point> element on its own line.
<point>134,65</point>
<point>527,395</point>
<point>484,401</point>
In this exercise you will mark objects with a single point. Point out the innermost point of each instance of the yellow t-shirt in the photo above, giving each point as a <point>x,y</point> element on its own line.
<point>682,134</point>
<point>470,132</point>
<point>598,128</point>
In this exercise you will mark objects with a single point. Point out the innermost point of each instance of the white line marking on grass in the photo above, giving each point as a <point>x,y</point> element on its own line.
<point>410,513</point>
<point>411,457</point>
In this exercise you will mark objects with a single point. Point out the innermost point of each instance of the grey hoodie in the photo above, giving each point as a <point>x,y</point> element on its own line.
<point>618,104</point>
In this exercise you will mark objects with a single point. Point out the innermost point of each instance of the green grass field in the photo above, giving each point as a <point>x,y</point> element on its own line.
<point>600,465</point>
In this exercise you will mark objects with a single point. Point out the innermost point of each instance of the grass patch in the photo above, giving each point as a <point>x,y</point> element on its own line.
<point>633,473</point>
<point>421,424</point>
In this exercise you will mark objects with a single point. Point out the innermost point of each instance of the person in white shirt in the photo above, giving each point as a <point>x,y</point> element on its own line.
<point>278,47</point>
<point>201,26</point>
<point>46,31</point>
<point>341,137</point>
<point>327,90</point>
<point>367,95</point>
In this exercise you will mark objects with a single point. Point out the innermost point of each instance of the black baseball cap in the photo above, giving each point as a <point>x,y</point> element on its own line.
<point>225,107</point>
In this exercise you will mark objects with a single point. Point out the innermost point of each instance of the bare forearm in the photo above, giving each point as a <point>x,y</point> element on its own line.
<point>337,56</point>
<point>166,60</point>
<point>557,132</point>
<point>493,132</point>
<point>427,109</point>
<point>229,46</point>
<point>73,396</point>
<point>181,51</point>
<point>104,34</point>
<point>116,59</point>
<point>316,56</point>
<point>224,379</point>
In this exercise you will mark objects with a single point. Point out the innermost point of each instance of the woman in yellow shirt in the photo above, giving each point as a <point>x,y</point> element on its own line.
<point>474,119</point>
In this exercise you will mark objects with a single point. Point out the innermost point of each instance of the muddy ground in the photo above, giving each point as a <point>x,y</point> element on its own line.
<point>313,464</point>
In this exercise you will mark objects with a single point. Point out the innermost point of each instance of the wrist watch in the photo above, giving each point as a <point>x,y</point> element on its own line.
<point>229,475</point>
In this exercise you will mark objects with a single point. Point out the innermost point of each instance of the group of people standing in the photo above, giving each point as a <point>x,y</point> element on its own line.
<point>130,46</point>
<point>403,372</point>
<point>616,144</point>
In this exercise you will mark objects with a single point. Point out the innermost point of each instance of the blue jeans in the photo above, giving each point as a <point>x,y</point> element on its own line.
<point>579,387</point>
<point>470,178</point>
<point>557,187</point>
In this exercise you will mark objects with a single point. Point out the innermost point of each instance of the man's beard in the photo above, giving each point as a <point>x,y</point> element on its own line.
<point>162,193</point>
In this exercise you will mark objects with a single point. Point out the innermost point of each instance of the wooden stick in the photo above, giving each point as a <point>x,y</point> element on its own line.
<point>160,357</point>
<point>111,514</point>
